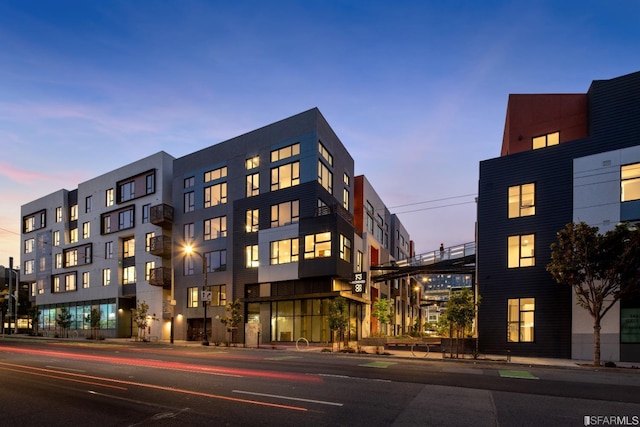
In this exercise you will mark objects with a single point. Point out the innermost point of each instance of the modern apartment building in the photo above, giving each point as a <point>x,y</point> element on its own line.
<point>565,158</point>
<point>266,218</point>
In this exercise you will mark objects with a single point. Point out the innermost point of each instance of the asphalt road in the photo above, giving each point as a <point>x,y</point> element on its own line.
<point>76,383</point>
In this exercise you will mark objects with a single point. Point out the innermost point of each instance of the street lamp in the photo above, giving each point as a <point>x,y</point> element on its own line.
<point>189,250</point>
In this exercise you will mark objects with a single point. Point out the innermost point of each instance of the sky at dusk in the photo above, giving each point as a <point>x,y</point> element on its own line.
<point>415,90</point>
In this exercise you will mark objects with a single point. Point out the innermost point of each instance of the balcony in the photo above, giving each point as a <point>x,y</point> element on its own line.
<point>160,246</point>
<point>160,276</point>
<point>162,215</point>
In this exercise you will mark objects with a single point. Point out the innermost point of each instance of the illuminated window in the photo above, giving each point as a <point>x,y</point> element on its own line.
<point>325,177</point>
<point>86,230</point>
<point>215,228</point>
<point>317,245</point>
<point>70,282</point>
<point>58,260</point>
<point>630,182</point>
<point>251,256</point>
<point>148,266</point>
<point>251,223</point>
<point>215,195</point>
<point>253,185</point>
<point>73,213</point>
<point>520,320</point>
<point>285,152</point>
<point>284,251</point>
<point>106,277</point>
<point>58,214</point>
<point>522,201</point>
<point>252,162</point>
<point>325,153</point>
<point>285,176</point>
<point>85,279</point>
<point>522,251</point>
<point>109,197</point>
<point>345,248</point>
<point>29,245</point>
<point>71,258</point>
<point>192,297</point>
<point>147,240</point>
<point>218,295</point>
<point>345,198</point>
<point>546,140</point>
<point>215,174</point>
<point>285,213</point>
<point>73,235</point>
<point>29,266</point>
<point>129,275</point>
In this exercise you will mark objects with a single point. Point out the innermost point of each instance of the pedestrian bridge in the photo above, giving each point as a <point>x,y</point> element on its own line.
<point>459,259</point>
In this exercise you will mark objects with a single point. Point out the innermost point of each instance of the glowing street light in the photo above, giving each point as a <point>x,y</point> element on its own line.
<point>189,251</point>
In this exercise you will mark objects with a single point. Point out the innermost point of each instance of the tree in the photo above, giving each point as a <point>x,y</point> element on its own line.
<point>34,313</point>
<point>601,268</point>
<point>94,321</point>
<point>141,318</point>
<point>459,314</point>
<point>383,311</point>
<point>233,317</point>
<point>64,321</point>
<point>338,318</point>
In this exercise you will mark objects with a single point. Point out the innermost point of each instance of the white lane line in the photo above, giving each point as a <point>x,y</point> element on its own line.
<point>346,377</point>
<point>276,396</point>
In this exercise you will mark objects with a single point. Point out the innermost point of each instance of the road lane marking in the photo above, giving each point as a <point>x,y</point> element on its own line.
<point>517,374</point>
<point>378,364</point>
<point>277,396</point>
<point>347,377</point>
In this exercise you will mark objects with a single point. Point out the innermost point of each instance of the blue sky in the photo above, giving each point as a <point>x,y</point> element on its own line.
<point>416,90</point>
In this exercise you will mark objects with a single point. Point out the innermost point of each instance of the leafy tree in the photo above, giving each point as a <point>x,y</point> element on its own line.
<point>94,321</point>
<point>34,313</point>
<point>601,268</point>
<point>64,321</point>
<point>233,317</point>
<point>338,318</point>
<point>141,318</point>
<point>383,311</point>
<point>459,315</point>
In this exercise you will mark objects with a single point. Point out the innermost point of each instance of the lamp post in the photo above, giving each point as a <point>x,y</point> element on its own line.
<point>189,250</point>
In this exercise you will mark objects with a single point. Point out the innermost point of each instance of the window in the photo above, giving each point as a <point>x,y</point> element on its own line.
<point>630,182</point>
<point>522,251</point>
<point>106,277</point>
<point>345,198</point>
<point>29,245</point>
<point>285,176</point>
<point>85,279</point>
<point>188,232</point>
<point>151,183</point>
<point>106,224</point>
<point>127,191</point>
<point>285,213</point>
<point>252,162</point>
<point>128,248</point>
<point>187,266</point>
<point>56,284</point>
<point>29,224</point>
<point>108,250</point>
<point>252,218</point>
<point>216,260</point>
<point>284,251</point>
<point>521,320</point>
<point>71,258</point>
<point>86,230</point>
<point>218,295</point>
<point>73,235</point>
<point>147,240</point>
<point>253,185</point>
<point>58,260</point>
<point>146,212</point>
<point>148,266</point>
<point>325,153</point>
<point>345,248</point>
<point>359,261</point>
<point>215,174</point>
<point>109,197</point>
<point>189,202</point>
<point>346,179</point>
<point>189,182</point>
<point>73,213</point>
<point>87,254</point>
<point>285,152</point>
<point>129,275</point>
<point>369,223</point>
<point>215,228</point>
<point>70,282</point>
<point>88,201</point>
<point>29,266</point>
<point>59,214</point>
<point>522,200</point>
<point>192,297</point>
<point>325,177</point>
<point>125,219</point>
<point>317,245</point>
<point>215,195</point>
<point>546,140</point>
<point>251,256</point>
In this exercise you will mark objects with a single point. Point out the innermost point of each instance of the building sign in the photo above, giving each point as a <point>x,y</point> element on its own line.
<point>359,282</point>
<point>205,296</point>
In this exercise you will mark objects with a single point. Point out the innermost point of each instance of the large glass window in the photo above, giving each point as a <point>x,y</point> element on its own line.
<point>252,162</point>
<point>521,251</point>
<point>284,251</point>
<point>218,295</point>
<point>252,218</point>
<point>285,213</point>
<point>325,177</point>
<point>192,297</point>
<point>129,248</point>
<point>522,201</point>
<point>125,219</point>
<point>546,140</point>
<point>285,152</point>
<point>285,176</point>
<point>317,245</point>
<point>216,260</point>
<point>325,153</point>
<point>215,228</point>
<point>215,195</point>
<point>345,248</point>
<point>521,320</point>
<point>127,191</point>
<point>251,256</point>
<point>129,275</point>
<point>630,182</point>
<point>253,185</point>
<point>215,174</point>
<point>29,244</point>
